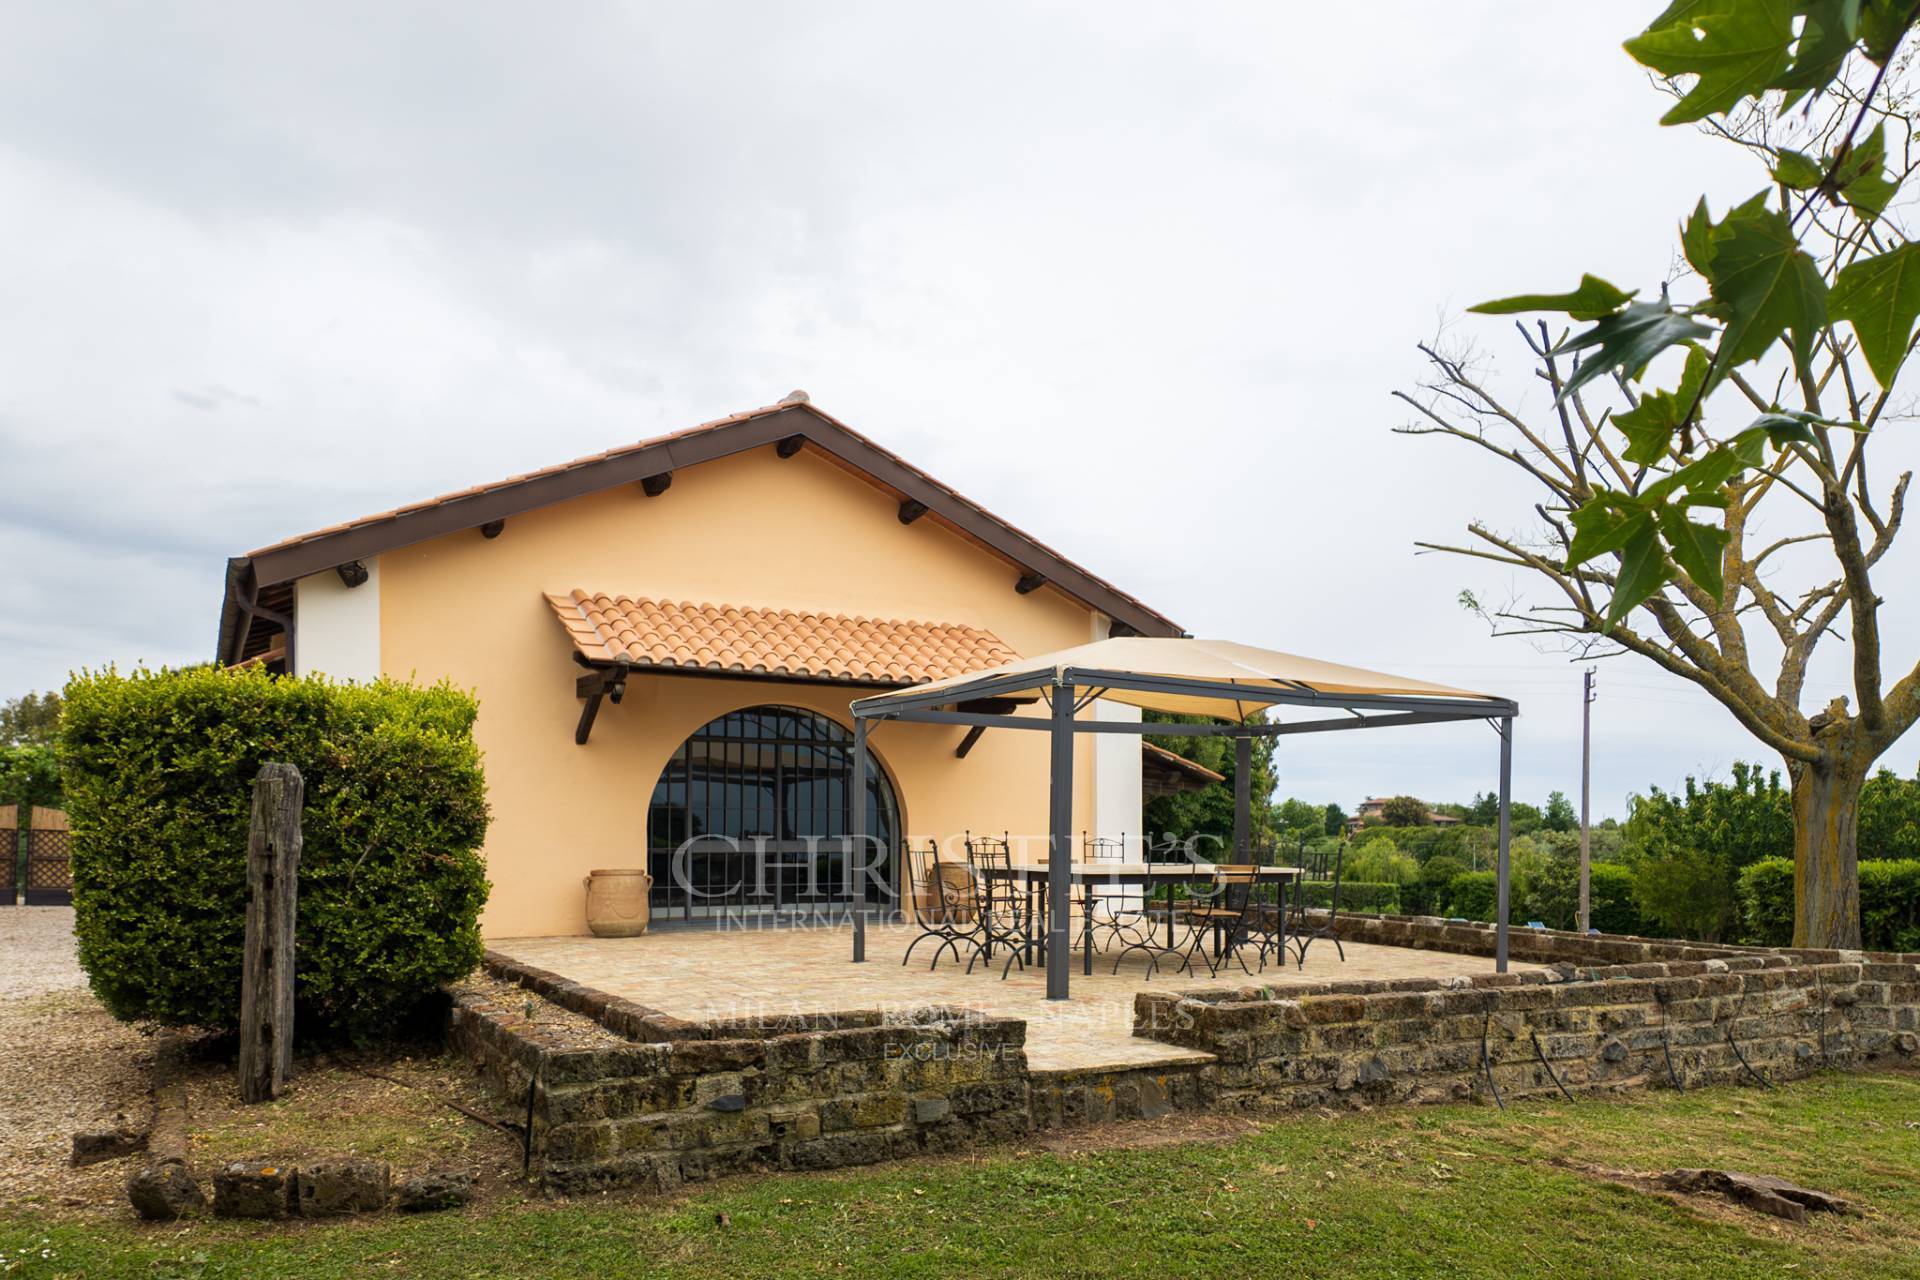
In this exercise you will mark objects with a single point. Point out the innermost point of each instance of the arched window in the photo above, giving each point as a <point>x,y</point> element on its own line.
<point>751,814</point>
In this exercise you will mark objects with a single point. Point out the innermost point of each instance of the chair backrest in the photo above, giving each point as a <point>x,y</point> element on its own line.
<point>1233,885</point>
<point>986,856</point>
<point>1103,848</point>
<point>923,875</point>
<point>1339,862</point>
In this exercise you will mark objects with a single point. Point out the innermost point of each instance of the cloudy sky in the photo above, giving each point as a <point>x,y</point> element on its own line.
<point>268,270</point>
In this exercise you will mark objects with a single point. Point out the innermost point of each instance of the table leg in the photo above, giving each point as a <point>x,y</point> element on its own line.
<point>1031,931</point>
<point>1086,928</point>
<point>1169,915</point>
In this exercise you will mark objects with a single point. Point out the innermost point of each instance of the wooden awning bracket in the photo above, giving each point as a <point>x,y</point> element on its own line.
<point>608,682</point>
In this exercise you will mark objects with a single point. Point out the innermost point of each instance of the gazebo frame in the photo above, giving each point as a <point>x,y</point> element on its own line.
<point>981,704</point>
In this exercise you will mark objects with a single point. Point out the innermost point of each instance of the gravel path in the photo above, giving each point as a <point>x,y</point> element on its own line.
<point>65,1065</point>
<point>36,951</point>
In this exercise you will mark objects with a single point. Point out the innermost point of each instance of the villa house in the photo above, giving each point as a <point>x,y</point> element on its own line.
<point>655,665</point>
<point>1373,810</point>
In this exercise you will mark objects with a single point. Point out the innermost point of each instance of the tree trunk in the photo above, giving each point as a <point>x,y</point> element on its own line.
<point>1826,857</point>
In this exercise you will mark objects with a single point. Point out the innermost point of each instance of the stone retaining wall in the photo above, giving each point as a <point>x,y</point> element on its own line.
<point>1537,946</point>
<point>1648,1013</point>
<point>697,1100</point>
<point>614,1092</point>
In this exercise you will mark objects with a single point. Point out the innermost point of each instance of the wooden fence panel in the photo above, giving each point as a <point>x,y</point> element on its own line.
<point>9,853</point>
<point>49,859</point>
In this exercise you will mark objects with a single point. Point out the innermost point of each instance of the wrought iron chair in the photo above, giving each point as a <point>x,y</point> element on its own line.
<point>1269,909</point>
<point>1304,929</point>
<point>1120,917</point>
<point>1002,907</point>
<point>1159,919</point>
<point>942,908</point>
<point>1227,915</point>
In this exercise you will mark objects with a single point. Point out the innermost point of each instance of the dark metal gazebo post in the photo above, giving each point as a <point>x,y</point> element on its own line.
<point>1060,841</point>
<point>857,801</point>
<point>1501,865</point>
<point>1242,797</point>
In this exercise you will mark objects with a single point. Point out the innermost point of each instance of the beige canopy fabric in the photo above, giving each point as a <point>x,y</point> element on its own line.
<point>1211,661</point>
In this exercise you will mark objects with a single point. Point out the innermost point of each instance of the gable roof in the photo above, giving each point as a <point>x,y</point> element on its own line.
<point>793,424</point>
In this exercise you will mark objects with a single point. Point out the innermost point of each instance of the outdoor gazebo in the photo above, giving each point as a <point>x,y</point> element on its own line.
<point>1218,678</point>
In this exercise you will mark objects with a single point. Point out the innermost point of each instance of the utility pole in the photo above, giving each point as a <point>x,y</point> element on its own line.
<point>1586,793</point>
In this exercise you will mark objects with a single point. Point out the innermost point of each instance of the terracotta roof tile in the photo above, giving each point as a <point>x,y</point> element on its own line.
<point>777,642</point>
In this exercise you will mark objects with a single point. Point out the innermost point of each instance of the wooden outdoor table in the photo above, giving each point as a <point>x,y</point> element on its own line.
<point>1089,875</point>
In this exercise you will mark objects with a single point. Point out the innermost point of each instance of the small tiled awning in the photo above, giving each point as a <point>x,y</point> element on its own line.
<point>772,642</point>
<point>1166,773</point>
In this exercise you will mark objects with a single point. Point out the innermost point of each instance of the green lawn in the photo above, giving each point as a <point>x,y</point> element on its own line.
<point>1444,1191</point>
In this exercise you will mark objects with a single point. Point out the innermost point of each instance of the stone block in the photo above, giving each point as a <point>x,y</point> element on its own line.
<point>584,1141</point>
<point>163,1192</point>
<point>703,1057</point>
<point>931,1110</point>
<point>865,1111</point>
<point>333,1188</point>
<point>434,1190</point>
<point>253,1189</point>
<point>1322,1010</point>
<point>839,1151</point>
<point>91,1146</point>
<point>797,1123</point>
<point>982,1098</point>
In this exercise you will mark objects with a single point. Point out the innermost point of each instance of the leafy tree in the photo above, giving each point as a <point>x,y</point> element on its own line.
<point>1485,809</point>
<point>1381,862</point>
<point>1677,505</point>
<point>33,719</point>
<point>1336,820</point>
<point>29,775</point>
<point>1208,812</point>
<point>1403,811</point>
<point>1890,816</point>
<point>1688,850</point>
<point>1554,896</point>
<point>1559,815</point>
<point>1298,820</point>
<point>1428,895</point>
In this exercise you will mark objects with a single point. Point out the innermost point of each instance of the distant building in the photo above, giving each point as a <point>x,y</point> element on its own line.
<point>1372,812</point>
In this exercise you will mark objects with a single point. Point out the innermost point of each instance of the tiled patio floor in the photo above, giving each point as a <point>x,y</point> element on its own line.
<point>707,974</point>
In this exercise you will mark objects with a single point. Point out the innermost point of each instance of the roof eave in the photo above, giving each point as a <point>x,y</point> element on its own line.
<point>287,561</point>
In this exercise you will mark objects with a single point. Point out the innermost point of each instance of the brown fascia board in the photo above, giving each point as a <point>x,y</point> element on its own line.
<point>232,616</point>
<point>299,557</point>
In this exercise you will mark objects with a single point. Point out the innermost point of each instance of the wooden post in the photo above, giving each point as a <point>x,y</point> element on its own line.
<point>266,981</point>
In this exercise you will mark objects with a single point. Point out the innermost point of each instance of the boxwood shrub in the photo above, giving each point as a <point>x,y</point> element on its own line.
<point>159,779</point>
<point>1889,903</point>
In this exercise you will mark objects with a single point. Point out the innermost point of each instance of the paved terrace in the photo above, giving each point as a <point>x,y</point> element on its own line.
<point>701,973</point>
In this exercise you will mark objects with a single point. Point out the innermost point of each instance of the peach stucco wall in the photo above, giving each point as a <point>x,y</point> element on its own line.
<point>752,529</point>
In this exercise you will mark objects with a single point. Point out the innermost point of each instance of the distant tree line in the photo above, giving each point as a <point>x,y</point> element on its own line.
<point>1674,868</point>
<point>29,765</point>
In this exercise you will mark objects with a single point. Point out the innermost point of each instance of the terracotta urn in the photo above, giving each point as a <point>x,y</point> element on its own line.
<point>617,903</point>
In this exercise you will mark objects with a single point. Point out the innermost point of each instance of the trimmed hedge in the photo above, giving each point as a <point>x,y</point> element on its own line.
<point>159,780</point>
<point>1355,895</point>
<point>1889,903</point>
<point>1474,894</point>
<point>1611,906</point>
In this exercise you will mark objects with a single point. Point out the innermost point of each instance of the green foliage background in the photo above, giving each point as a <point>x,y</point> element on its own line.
<point>1889,904</point>
<point>159,771</point>
<point>1209,811</point>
